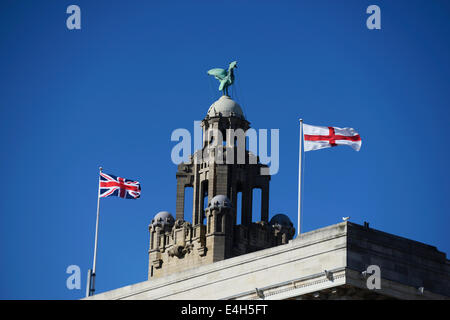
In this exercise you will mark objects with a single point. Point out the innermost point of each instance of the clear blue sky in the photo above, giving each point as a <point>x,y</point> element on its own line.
<point>111,94</point>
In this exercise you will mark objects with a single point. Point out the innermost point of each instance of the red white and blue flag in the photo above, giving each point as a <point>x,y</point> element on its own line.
<point>120,187</point>
<point>316,137</point>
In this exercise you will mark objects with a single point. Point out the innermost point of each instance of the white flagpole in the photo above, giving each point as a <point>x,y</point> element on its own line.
<point>300,176</point>
<point>91,280</point>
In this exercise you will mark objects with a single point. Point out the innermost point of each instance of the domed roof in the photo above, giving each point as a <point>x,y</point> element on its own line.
<point>220,201</point>
<point>163,218</point>
<point>282,220</point>
<point>225,107</point>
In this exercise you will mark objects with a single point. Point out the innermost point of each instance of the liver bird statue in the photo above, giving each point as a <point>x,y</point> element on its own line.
<point>226,77</point>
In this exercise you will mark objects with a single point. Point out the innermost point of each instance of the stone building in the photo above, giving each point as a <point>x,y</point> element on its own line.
<point>215,257</point>
<point>218,172</point>
<point>328,263</point>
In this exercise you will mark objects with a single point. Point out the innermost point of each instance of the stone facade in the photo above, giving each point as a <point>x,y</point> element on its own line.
<point>222,168</point>
<point>327,263</point>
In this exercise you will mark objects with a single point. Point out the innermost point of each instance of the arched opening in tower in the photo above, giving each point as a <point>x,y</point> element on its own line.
<point>256,204</point>
<point>239,208</point>
<point>188,203</point>
<point>204,200</point>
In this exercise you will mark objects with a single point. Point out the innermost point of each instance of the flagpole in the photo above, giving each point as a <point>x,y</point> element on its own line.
<point>91,276</point>
<point>300,176</point>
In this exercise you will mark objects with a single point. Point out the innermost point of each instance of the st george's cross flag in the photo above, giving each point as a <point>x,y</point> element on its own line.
<point>316,137</point>
<point>120,187</point>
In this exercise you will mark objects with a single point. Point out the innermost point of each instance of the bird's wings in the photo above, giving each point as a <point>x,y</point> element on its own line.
<point>217,72</point>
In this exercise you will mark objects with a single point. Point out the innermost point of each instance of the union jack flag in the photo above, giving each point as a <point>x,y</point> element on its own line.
<point>115,186</point>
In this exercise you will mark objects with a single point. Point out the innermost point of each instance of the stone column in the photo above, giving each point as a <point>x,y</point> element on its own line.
<point>180,199</point>
<point>221,180</point>
<point>247,197</point>
<point>212,180</point>
<point>265,203</point>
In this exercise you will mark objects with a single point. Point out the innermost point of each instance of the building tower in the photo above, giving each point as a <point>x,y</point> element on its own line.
<point>219,253</point>
<point>217,173</point>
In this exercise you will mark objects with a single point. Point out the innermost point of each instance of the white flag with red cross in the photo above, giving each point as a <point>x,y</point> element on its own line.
<point>316,137</point>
